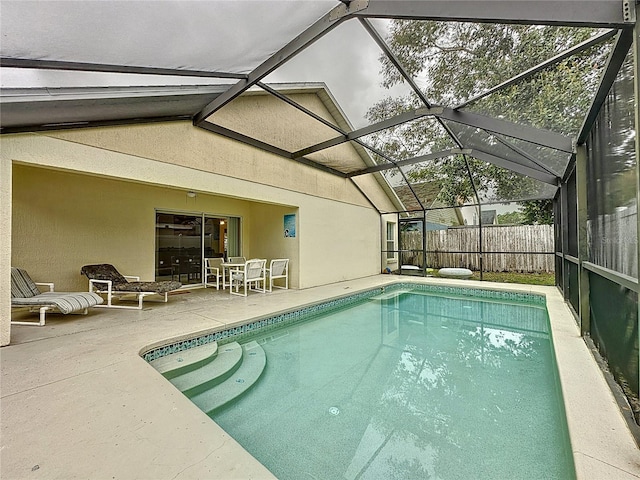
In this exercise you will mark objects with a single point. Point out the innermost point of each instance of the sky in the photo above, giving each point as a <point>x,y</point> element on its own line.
<point>346,59</point>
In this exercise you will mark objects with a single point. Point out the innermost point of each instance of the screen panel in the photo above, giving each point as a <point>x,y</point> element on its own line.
<point>612,231</point>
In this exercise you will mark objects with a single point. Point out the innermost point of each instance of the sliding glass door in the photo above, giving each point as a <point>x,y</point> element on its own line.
<point>179,247</point>
<point>183,240</point>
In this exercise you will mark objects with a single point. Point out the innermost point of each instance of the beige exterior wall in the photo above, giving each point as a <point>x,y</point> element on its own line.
<point>90,196</point>
<point>97,220</point>
<point>5,251</point>
<point>71,219</point>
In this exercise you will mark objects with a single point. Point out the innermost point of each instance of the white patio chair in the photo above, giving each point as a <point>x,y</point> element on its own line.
<point>213,271</point>
<point>236,260</point>
<point>278,268</point>
<point>250,277</point>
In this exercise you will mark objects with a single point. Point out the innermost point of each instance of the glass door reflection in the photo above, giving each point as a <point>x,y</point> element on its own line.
<point>179,248</point>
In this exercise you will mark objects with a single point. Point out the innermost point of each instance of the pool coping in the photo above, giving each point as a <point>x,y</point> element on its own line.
<point>597,453</point>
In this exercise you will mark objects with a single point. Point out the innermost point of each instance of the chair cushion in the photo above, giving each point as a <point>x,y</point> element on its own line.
<point>103,271</point>
<point>63,301</point>
<point>155,287</point>
<point>21,284</point>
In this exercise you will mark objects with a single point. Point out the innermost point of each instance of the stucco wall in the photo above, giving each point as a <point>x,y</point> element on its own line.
<point>268,240</point>
<point>180,143</point>
<point>65,220</point>
<point>5,251</point>
<point>343,234</point>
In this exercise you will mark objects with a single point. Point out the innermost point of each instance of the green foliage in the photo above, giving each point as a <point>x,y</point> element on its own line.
<point>455,61</point>
<point>511,218</point>
<point>458,60</point>
<point>538,213</point>
<point>540,278</point>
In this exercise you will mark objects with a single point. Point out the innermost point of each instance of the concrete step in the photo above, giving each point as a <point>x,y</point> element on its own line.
<point>228,360</point>
<point>253,364</point>
<point>186,361</point>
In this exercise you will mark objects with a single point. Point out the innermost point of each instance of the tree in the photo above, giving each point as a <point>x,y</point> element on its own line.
<point>511,218</point>
<point>538,213</point>
<point>455,61</point>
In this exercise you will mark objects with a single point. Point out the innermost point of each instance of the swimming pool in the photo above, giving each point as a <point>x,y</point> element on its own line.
<point>438,382</point>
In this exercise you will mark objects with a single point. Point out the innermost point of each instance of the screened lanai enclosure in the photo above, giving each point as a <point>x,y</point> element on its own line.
<point>463,109</point>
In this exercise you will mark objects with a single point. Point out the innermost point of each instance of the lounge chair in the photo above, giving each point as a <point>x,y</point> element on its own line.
<point>25,293</point>
<point>251,276</point>
<point>213,271</point>
<point>278,268</point>
<point>106,280</point>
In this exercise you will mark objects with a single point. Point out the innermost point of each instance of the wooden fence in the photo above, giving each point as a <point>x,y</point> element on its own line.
<point>445,248</point>
<point>612,240</point>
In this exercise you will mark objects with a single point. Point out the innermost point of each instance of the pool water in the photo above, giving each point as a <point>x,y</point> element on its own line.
<point>408,386</point>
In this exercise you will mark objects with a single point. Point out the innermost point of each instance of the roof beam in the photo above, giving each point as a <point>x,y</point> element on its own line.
<point>546,138</point>
<point>524,154</point>
<point>368,130</point>
<point>8,62</point>
<point>616,59</point>
<point>323,26</point>
<point>296,105</point>
<point>514,167</point>
<point>339,130</point>
<point>267,147</point>
<point>543,176</point>
<point>393,59</point>
<point>410,161</point>
<point>600,13</point>
<point>541,66</point>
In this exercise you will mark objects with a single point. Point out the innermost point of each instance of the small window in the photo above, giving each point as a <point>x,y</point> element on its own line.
<point>391,244</point>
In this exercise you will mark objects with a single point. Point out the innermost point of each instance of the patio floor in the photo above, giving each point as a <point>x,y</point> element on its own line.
<point>79,402</point>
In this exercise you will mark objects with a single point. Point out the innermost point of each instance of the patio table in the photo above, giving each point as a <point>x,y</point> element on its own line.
<point>228,266</point>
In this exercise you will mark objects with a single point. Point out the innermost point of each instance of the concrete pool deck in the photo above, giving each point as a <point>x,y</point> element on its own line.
<point>77,400</point>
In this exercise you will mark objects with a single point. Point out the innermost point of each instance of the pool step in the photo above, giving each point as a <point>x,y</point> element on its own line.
<point>389,295</point>
<point>228,360</point>
<point>180,363</point>
<point>253,364</point>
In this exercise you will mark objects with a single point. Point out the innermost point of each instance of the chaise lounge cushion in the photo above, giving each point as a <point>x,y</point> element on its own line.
<point>65,302</point>
<point>21,284</point>
<point>25,293</point>
<point>105,271</point>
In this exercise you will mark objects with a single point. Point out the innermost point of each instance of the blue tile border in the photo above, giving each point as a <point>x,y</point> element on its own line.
<point>306,313</point>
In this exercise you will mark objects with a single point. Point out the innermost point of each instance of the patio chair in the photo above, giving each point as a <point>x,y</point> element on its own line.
<point>253,274</point>
<point>236,260</point>
<point>106,280</point>
<point>278,268</point>
<point>25,293</point>
<point>213,271</point>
